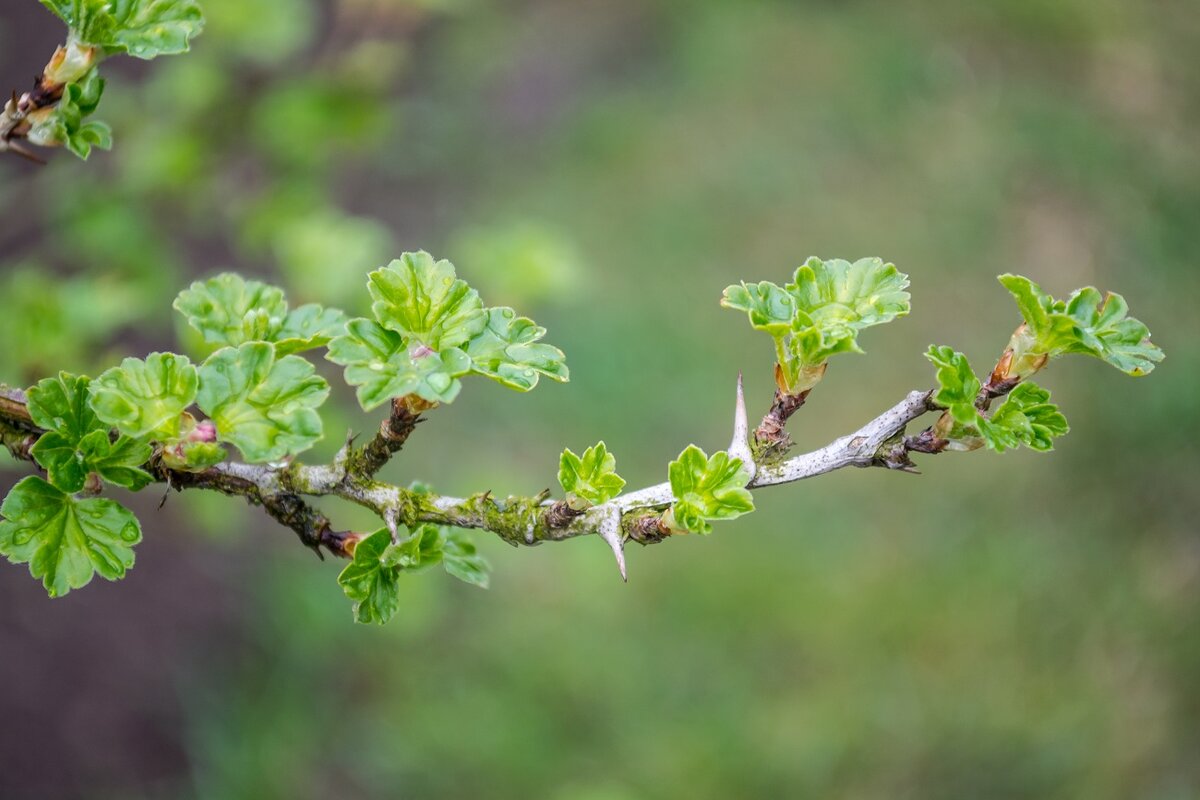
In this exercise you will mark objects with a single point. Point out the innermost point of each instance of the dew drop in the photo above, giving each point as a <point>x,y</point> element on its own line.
<point>130,533</point>
<point>23,537</point>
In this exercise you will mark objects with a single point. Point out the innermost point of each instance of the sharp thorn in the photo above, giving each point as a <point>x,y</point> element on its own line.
<point>610,532</point>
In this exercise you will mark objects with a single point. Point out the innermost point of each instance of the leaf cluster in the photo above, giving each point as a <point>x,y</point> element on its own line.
<point>820,313</point>
<point>706,488</point>
<point>429,330</point>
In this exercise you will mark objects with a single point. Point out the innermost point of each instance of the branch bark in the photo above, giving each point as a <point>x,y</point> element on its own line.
<point>516,520</point>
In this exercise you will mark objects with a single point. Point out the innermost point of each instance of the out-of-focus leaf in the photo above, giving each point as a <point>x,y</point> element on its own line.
<point>65,540</point>
<point>460,559</point>
<point>373,586</point>
<point>263,405</point>
<point>141,28</point>
<point>229,311</point>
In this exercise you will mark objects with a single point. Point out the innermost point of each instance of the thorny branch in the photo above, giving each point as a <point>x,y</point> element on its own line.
<point>516,520</point>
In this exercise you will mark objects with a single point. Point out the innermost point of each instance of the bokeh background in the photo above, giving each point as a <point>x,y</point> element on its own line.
<point>1000,627</point>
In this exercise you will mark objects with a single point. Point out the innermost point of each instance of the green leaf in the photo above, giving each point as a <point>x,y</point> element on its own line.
<point>229,311</point>
<point>1088,322</point>
<point>373,586</point>
<point>308,327</point>
<point>420,550</point>
<point>61,405</point>
<point>770,307</point>
<point>264,405</point>
<point>707,489</point>
<point>590,480</point>
<point>507,351</point>
<point>423,300</point>
<point>146,399</point>
<point>820,313</point>
<point>1025,417</point>
<point>77,442</point>
<point>64,123</point>
<point>839,299</point>
<point>957,384</point>
<point>69,463</point>
<point>141,28</point>
<point>65,540</point>
<point>380,363</point>
<point>460,559</point>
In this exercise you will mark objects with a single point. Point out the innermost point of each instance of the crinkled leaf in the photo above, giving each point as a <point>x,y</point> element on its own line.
<point>708,488</point>
<point>65,540</point>
<point>590,480</point>
<point>839,298</point>
<point>146,399</point>
<point>229,310</point>
<point>957,384</point>
<point>141,28</point>
<point>1025,417</point>
<point>263,405</point>
<point>61,405</point>
<point>460,559</point>
<point>420,550</point>
<point>1088,322</point>
<point>820,313</point>
<point>307,327</point>
<point>424,301</point>
<point>373,586</point>
<point>66,123</point>
<point>380,363</point>
<point>69,463</point>
<point>771,307</point>
<point>77,442</point>
<point>507,350</point>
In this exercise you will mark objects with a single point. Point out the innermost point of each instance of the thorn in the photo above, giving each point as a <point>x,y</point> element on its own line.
<point>739,446</point>
<point>610,532</point>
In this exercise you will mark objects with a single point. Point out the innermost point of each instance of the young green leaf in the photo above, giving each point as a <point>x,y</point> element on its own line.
<point>1088,323</point>
<point>146,399</point>
<point>229,311</point>
<point>706,489</point>
<point>423,301</point>
<point>839,299</point>
<point>65,540</point>
<point>264,405</point>
<point>957,384</point>
<point>770,307</point>
<point>820,313</point>
<point>420,550</point>
<point>76,442</point>
<point>141,28</point>
<point>590,480</point>
<point>382,365</point>
<point>460,559</point>
<point>64,123</point>
<point>507,351</point>
<point>1025,417</point>
<point>373,586</point>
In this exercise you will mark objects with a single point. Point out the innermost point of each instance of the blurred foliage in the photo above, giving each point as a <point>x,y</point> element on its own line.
<point>840,642</point>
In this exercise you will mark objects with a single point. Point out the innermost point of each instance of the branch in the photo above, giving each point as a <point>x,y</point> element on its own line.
<point>516,520</point>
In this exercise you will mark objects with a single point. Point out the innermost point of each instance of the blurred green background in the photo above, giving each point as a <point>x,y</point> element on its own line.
<point>1001,627</point>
